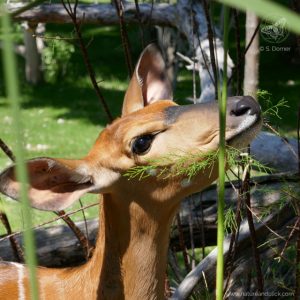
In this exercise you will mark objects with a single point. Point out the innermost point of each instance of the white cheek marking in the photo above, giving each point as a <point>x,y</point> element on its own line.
<point>21,289</point>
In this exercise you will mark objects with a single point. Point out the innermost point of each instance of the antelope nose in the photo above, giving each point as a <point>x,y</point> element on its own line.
<point>247,105</point>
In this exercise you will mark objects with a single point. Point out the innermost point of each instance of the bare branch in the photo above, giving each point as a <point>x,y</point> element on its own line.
<point>72,12</point>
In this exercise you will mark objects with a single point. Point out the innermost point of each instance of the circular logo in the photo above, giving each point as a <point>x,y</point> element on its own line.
<point>274,31</point>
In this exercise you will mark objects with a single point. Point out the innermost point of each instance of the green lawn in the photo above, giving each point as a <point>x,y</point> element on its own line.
<point>64,118</point>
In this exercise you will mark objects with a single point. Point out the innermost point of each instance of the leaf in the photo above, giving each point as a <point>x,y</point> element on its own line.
<point>268,10</point>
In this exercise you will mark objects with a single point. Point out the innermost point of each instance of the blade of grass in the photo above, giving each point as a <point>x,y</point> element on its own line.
<point>221,181</point>
<point>268,10</point>
<point>13,94</point>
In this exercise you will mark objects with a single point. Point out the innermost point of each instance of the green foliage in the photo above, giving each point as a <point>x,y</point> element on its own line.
<point>230,223</point>
<point>172,165</point>
<point>268,106</point>
<point>189,165</point>
<point>268,10</point>
<point>285,195</point>
<point>56,56</point>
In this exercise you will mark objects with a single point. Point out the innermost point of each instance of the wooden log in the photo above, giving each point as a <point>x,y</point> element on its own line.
<point>266,191</point>
<point>100,14</point>
<point>162,14</point>
<point>280,219</point>
<point>57,246</point>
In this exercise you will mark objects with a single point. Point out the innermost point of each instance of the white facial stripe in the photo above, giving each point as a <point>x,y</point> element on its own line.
<point>21,288</point>
<point>245,124</point>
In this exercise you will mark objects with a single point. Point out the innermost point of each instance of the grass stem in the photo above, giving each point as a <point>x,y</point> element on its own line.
<point>13,94</point>
<point>222,149</point>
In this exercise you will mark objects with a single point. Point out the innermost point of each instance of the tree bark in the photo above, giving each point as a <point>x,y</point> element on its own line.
<point>32,54</point>
<point>100,14</point>
<point>252,56</point>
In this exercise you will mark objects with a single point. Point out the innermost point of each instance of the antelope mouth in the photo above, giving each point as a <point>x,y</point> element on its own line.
<point>245,132</point>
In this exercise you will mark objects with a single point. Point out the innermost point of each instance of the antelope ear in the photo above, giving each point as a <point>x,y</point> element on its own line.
<point>149,82</point>
<point>54,184</point>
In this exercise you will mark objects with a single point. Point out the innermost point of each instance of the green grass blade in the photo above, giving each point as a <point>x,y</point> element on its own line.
<point>268,10</point>
<point>13,94</point>
<point>221,182</point>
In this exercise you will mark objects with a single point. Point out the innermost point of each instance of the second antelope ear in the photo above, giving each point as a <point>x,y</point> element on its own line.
<point>149,82</point>
<point>54,184</point>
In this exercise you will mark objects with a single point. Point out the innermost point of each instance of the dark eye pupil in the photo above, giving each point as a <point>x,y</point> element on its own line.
<point>142,144</point>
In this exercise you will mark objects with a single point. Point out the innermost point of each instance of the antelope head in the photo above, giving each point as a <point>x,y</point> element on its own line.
<point>151,126</point>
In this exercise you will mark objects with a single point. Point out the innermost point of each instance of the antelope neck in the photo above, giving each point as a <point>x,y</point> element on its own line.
<point>133,246</point>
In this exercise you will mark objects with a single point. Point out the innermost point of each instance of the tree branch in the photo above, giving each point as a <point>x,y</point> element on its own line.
<point>101,14</point>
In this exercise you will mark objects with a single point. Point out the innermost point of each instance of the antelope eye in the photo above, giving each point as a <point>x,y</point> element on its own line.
<point>142,144</point>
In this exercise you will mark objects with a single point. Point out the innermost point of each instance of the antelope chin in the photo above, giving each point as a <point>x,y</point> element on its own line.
<point>245,132</point>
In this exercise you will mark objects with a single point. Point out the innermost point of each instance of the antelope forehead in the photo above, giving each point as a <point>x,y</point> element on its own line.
<point>172,113</point>
<point>195,111</point>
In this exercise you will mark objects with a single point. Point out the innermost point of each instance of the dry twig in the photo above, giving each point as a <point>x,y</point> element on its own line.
<point>71,9</point>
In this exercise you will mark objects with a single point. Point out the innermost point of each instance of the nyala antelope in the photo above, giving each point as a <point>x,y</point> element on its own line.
<point>130,258</point>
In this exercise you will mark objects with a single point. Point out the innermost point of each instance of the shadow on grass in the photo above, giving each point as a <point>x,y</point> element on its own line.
<point>75,102</point>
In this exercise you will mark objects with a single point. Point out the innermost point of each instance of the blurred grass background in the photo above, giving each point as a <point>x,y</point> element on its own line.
<point>63,117</point>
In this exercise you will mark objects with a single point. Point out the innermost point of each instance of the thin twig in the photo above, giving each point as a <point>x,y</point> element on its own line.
<point>168,292</point>
<point>204,56</point>
<point>194,55</point>
<point>173,263</point>
<point>138,14</point>
<point>266,225</point>
<point>57,37</point>
<point>211,45</point>
<point>6,150</point>
<point>284,139</point>
<point>17,249</point>
<point>18,252</point>
<point>86,229</point>
<point>233,242</point>
<point>238,52</point>
<point>202,226</point>
<point>73,16</point>
<point>51,221</point>
<point>245,52</point>
<point>295,227</point>
<point>182,243</point>
<point>252,38</point>
<point>246,193</point>
<point>124,36</point>
<point>191,230</point>
<point>84,242</point>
